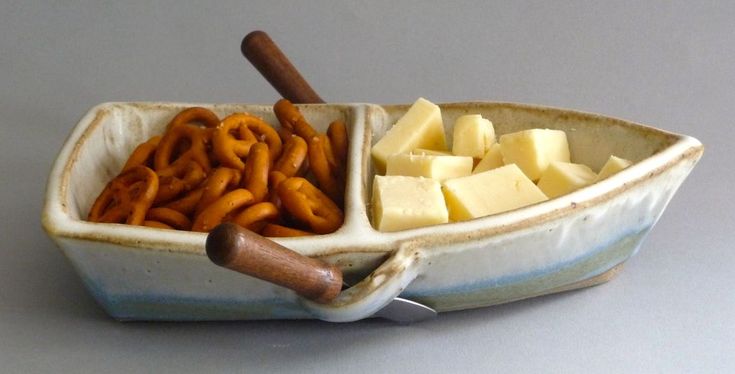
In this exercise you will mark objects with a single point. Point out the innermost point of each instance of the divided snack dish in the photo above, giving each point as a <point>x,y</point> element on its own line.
<point>576,240</point>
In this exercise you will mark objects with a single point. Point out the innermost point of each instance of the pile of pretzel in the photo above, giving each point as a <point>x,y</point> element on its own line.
<point>203,171</point>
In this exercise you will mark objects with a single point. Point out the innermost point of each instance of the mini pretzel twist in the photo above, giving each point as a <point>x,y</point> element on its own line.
<point>181,144</point>
<point>268,135</point>
<point>213,214</point>
<point>187,204</point>
<point>126,198</point>
<point>221,180</point>
<point>255,175</point>
<point>274,179</point>
<point>175,181</point>
<point>277,231</point>
<point>232,140</point>
<point>309,205</point>
<point>169,217</point>
<point>256,216</point>
<point>337,133</point>
<point>237,133</point>
<point>327,172</point>
<point>285,134</point>
<point>293,157</point>
<point>157,224</point>
<point>202,172</point>
<point>292,119</point>
<point>193,116</point>
<point>143,153</point>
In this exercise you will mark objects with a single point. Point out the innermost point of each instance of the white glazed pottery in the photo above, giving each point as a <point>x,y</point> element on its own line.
<point>576,240</point>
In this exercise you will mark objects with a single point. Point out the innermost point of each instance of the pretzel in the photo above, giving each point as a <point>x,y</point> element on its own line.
<point>213,214</point>
<point>157,224</point>
<point>187,204</point>
<point>337,133</point>
<point>292,119</point>
<point>126,198</point>
<point>174,181</point>
<point>293,156</point>
<point>232,140</point>
<point>310,205</point>
<point>273,230</point>
<point>181,144</point>
<point>256,216</point>
<point>274,179</point>
<point>168,217</point>
<point>195,115</point>
<point>324,166</point>
<point>143,153</point>
<point>255,175</point>
<point>268,135</point>
<point>201,172</point>
<point>285,134</point>
<point>237,133</point>
<point>215,186</point>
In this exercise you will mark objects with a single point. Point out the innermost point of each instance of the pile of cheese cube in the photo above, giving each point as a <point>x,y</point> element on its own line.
<point>426,184</point>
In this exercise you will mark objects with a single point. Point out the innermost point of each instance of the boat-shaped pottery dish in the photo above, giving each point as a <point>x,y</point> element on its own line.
<point>576,240</point>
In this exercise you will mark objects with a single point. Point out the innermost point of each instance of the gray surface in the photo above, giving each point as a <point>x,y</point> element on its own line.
<point>664,63</point>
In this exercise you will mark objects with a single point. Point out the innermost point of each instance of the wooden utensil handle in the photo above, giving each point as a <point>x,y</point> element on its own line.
<point>236,248</point>
<point>265,55</point>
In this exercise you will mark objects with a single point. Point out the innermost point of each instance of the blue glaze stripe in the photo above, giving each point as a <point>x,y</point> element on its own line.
<point>531,275</point>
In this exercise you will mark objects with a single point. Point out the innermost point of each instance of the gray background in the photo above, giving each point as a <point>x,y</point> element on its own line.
<point>669,64</point>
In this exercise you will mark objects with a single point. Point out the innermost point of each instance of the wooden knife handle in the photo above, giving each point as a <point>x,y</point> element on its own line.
<point>239,249</point>
<point>265,55</point>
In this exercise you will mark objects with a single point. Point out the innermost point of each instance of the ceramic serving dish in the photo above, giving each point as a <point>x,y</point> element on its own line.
<point>577,240</point>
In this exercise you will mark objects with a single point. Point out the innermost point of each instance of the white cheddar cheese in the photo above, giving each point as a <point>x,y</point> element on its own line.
<point>492,159</point>
<point>430,166</point>
<point>533,150</point>
<point>420,127</point>
<point>472,136</point>
<point>424,151</point>
<point>401,203</point>
<point>561,178</point>
<point>612,166</point>
<point>490,192</point>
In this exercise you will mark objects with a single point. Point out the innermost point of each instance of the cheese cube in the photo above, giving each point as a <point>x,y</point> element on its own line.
<point>533,150</point>
<point>424,151</point>
<point>563,177</point>
<point>493,159</point>
<point>429,166</point>
<point>420,127</point>
<point>612,166</point>
<point>401,203</point>
<point>473,136</point>
<point>489,192</point>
